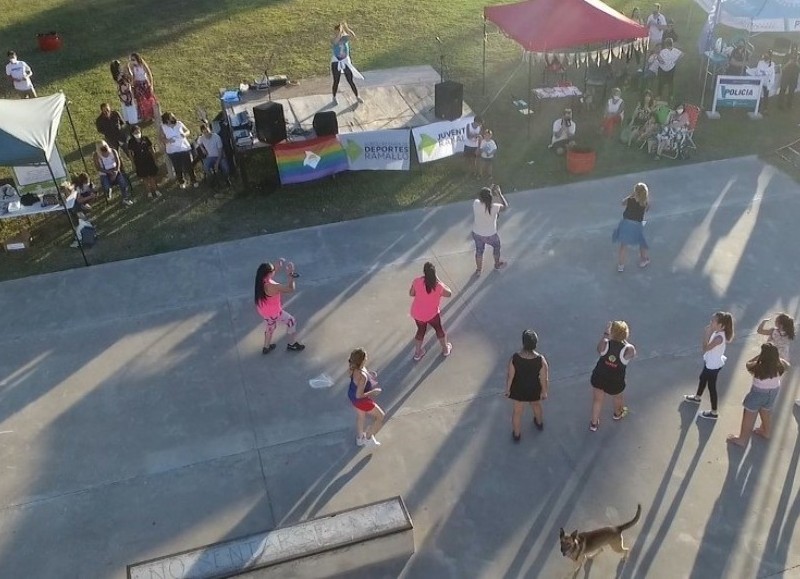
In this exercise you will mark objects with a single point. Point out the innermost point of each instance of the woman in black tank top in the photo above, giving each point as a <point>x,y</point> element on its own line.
<point>527,381</point>
<point>630,230</point>
<point>608,376</point>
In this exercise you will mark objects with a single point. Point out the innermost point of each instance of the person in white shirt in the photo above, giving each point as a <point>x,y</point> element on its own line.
<point>614,113</point>
<point>19,73</point>
<point>656,24</point>
<point>766,70</point>
<point>487,151</point>
<point>474,130</point>
<point>174,136</point>
<point>563,133</point>
<point>485,209</point>
<point>667,59</point>
<point>214,160</point>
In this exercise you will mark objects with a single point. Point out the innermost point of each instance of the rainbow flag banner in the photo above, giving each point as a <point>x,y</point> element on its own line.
<point>303,161</point>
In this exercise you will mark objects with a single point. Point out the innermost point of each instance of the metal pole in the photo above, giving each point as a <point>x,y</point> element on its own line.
<point>530,92</point>
<point>66,211</point>
<point>484,55</point>
<point>75,134</point>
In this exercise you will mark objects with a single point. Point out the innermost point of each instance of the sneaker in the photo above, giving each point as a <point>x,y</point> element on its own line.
<point>593,426</point>
<point>693,398</point>
<point>360,100</point>
<point>539,425</point>
<point>644,263</point>
<point>74,244</point>
<point>500,264</point>
<point>447,350</point>
<point>296,347</point>
<point>109,195</point>
<point>419,355</point>
<point>182,185</point>
<point>87,206</point>
<point>156,194</point>
<point>622,414</point>
<point>268,349</point>
<point>620,268</point>
<point>361,439</point>
<point>127,202</point>
<point>195,184</point>
<point>797,402</point>
<point>371,441</point>
<point>710,414</point>
<point>335,101</point>
<point>516,437</point>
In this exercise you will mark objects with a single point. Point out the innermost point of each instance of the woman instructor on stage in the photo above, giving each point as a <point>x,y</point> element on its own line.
<point>340,60</point>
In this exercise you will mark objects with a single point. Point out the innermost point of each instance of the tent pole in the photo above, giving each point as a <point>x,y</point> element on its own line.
<point>66,211</point>
<point>484,55</point>
<point>530,92</point>
<point>75,134</point>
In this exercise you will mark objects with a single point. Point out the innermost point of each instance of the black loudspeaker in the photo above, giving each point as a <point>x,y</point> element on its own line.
<point>326,123</point>
<point>449,101</point>
<point>270,123</point>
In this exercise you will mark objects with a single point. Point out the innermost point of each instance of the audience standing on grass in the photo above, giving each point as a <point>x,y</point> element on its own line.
<point>656,24</point>
<point>717,334</point>
<point>485,209</point>
<point>668,59</point>
<point>109,166</point>
<point>527,382</point>
<point>143,87</point>
<point>111,125</point>
<point>427,292</point>
<point>19,73</point>
<point>789,75</point>
<point>175,137</point>
<point>143,154</point>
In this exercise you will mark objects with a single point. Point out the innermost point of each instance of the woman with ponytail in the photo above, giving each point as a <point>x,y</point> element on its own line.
<point>428,291</point>
<point>362,391</point>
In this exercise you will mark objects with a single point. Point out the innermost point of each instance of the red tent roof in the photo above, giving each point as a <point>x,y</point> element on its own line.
<point>552,25</point>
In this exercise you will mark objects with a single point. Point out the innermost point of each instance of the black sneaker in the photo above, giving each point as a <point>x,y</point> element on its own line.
<point>296,347</point>
<point>268,350</point>
<point>710,414</point>
<point>539,425</point>
<point>516,437</point>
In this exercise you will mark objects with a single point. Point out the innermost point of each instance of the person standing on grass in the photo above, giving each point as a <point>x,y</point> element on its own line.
<point>668,59</point>
<point>428,291</point>
<point>485,209</point>
<point>789,75</point>
<point>767,369</point>
<point>19,73</point>
<point>487,149</point>
<point>656,24</point>
<point>630,230</point>
<point>110,124</point>
<point>175,137</point>
<point>268,303</point>
<point>340,60</point>
<point>717,334</point>
<point>361,392</point>
<point>143,155</point>
<point>109,166</point>
<point>143,87</point>
<point>474,131</point>
<point>527,382</point>
<point>608,376</point>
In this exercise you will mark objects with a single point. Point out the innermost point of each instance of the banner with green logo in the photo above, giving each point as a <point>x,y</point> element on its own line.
<point>440,140</point>
<point>388,150</point>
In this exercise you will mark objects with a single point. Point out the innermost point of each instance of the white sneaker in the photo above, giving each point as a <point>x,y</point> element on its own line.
<point>359,99</point>
<point>127,202</point>
<point>195,184</point>
<point>372,441</point>
<point>182,185</point>
<point>157,194</point>
<point>361,439</point>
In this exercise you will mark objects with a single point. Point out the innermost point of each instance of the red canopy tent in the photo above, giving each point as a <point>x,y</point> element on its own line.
<point>548,26</point>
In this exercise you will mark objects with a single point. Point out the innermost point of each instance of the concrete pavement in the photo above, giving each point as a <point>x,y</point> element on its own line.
<point>138,417</point>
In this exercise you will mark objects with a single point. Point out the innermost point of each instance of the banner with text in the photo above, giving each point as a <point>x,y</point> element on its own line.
<point>440,140</point>
<point>737,92</point>
<point>388,150</point>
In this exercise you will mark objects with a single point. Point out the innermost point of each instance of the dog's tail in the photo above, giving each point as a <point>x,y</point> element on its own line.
<point>633,521</point>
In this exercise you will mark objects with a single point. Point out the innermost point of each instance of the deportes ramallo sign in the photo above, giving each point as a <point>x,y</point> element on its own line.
<point>737,92</point>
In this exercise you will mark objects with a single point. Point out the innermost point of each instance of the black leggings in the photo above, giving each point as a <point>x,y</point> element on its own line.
<point>348,75</point>
<point>182,163</point>
<point>709,378</point>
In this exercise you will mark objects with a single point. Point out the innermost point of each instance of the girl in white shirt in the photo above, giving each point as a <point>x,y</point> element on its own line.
<point>718,333</point>
<point>487,150</point>
<point>485,209</point>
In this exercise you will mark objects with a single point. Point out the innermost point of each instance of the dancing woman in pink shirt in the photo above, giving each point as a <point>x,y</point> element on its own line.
<point>428,292</point>
<point>268,303</point>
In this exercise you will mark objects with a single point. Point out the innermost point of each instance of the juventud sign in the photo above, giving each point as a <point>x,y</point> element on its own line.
<point>440,140</point>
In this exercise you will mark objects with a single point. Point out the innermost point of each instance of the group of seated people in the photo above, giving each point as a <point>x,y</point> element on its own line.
<point>654,125</point>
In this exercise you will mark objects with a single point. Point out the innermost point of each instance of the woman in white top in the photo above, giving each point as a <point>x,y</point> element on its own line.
<point>485,209</point>
<point>767,369</point>
<point>718,333</point>
<point>175,137</point>
<point>614,113</point>
<point>766,70</point>
<point>474,130</point>
<point>109,165</point>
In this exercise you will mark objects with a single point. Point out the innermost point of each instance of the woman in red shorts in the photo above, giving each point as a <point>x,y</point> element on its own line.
<point>363,388</point>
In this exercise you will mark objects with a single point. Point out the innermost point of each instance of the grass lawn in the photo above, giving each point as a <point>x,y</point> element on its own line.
<point>194,48</point>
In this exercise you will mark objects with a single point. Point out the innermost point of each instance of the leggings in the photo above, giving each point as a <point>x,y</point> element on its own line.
<point>182,163</point>
<point>481,242</point>
<point>709,378</point>
<point>435,323</point>
<point>348,75</point>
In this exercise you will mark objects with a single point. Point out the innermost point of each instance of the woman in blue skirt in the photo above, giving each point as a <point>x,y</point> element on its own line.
<point>630,230</point>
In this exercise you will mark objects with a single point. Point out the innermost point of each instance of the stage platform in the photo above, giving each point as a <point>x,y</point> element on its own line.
<point>393,98</point>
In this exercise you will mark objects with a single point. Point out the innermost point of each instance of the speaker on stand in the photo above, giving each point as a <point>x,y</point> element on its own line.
<point>448,100</point>
<point>270,122</point>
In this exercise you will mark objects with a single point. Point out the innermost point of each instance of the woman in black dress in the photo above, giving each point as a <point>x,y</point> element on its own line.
<point>527,382</point>
<point>143,154</point>
<point>608,376</point>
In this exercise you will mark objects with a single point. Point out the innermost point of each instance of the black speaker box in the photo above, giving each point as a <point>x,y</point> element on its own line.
<point>449,101</point>
<point>270,123</point>
<point>326,123</point>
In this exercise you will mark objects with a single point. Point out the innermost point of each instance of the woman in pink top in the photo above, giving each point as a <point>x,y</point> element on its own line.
<point>428,292</point>
<point>268,303</point>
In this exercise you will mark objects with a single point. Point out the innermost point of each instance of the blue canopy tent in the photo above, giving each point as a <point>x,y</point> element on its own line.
<point>755,16</point>
<point>28,129</point>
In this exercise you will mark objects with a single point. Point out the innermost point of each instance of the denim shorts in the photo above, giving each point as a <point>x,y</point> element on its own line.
<point>759,398</point>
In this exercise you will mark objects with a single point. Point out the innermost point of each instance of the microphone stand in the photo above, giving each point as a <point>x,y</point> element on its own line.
<point>441,59</point>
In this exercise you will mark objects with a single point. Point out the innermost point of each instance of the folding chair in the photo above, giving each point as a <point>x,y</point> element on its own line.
<point>694,116</point>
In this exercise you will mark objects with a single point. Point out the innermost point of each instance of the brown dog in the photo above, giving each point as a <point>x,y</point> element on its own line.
<point>581,546</point>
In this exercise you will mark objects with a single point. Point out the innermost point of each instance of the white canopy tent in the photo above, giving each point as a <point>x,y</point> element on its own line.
<point>28,129</point>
